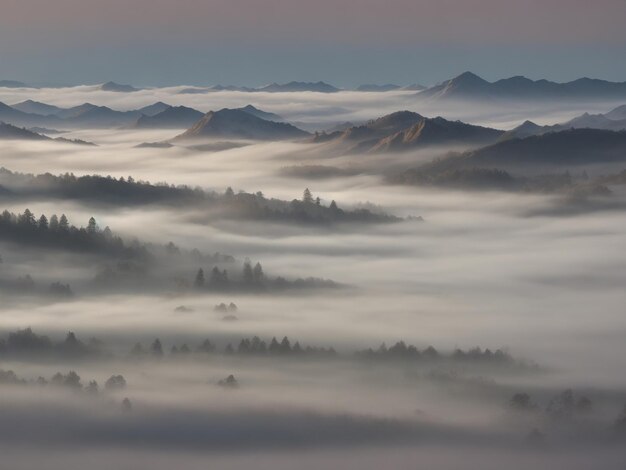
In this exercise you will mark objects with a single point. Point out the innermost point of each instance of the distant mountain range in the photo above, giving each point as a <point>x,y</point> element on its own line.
<point>31,114</point>
<point>405,130</point>
<point>469,86</point>
<point>177,117</point>
<point>239,124</point>
<point>319,87</point>
<point>86,115</point>
<point>389,87</point>
<point>614,120</point>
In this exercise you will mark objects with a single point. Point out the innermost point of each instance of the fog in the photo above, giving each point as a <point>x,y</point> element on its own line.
<point>498,270</point>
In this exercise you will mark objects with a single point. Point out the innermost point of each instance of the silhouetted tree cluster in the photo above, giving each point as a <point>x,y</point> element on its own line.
<point>401,350</point>
<point>57,232</point>
<point>563,407</point>
<point>254,346</point>
<point>223,308</point>
<point>252,278</point>
<point>229,382</point>
<point>26,343</point>
<point>257,347</point>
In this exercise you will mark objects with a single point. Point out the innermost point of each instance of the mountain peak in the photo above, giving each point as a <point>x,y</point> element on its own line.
<point>117,87</point>
<point>239,124</point>
<point>468,77</point>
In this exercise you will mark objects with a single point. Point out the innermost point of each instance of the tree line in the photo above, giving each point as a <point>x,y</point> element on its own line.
<point>230,204</point>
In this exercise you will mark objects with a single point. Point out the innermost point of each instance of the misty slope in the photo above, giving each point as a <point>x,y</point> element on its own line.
<point>556,150</point>
<point>238,124</point>
<point>617,113</point>
<point>404,130</point>
<point>469,86</point>
<point>8,131</point>
<point>172,117</point>
<point>319,87</point>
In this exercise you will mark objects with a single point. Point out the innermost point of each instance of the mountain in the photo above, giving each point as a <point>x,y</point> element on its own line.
<point>230,88</point>
<point>526,129</point>
<point>611,121</point>
<point>75,111</point>
<point>404,130</point>
<point>8,131</point>
<point>414,87</point>
<point>466,85</point>
<point>437,131</point>
<point>12,84</point>
<point>36,107</point>
<point>261,114</point>
<point>319,87</point>
<point>90,116</point>
<point>238,124</point>
<point>193,91</point>
<point>538,153</point>
<point>174,117</point>
<point>182,117</point>
<point>378,88</point>
<point>116,87</point>
<point>153,109</point>
<point>469,86</point>
<point>594,121</point>
<point>20,118</point>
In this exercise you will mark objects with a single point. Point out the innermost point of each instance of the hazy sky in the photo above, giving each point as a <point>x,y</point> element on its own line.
<point>346,42</point>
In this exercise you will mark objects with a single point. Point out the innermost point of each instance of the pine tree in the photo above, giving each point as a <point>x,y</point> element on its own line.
<point>92,227</point>
<point>54,222</point>
<point>199,281</point>
<point>285,346</point>
<point>157,348</point>
<point>42,224</point>
<point>27,218</point>
<point>274,346</point>
<point>257,273</point>
<point>248,275</point>
<point>64,224</point>
<point>307,197</point>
